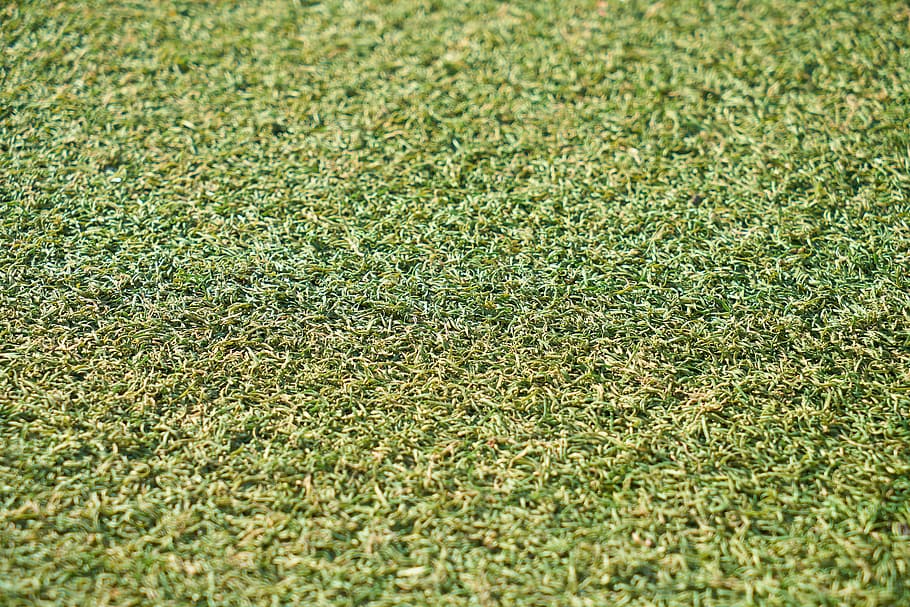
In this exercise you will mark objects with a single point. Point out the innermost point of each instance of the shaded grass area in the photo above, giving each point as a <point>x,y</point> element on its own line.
<point>575,303</point>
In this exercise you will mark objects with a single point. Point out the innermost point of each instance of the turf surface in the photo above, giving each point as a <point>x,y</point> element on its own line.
<point>443,303</point>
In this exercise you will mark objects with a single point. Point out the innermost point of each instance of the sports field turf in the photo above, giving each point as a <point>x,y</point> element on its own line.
<point>446,303</point>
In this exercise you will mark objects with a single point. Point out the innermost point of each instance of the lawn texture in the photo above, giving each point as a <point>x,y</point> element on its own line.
<point>444,303</point>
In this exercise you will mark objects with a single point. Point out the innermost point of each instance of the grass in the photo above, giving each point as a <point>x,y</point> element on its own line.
<point>433,303</point>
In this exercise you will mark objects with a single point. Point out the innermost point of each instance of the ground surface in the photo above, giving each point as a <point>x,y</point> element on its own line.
<point>417,303</point>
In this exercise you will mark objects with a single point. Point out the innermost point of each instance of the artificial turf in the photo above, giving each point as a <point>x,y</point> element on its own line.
<point>444,303</point>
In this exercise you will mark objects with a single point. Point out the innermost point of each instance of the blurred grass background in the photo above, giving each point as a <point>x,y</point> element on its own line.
<point>442,303</point>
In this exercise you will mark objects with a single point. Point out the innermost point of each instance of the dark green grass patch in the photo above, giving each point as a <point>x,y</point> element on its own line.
<point>426,303</point>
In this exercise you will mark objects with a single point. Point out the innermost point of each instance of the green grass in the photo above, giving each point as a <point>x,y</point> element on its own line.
<point>418,303</point>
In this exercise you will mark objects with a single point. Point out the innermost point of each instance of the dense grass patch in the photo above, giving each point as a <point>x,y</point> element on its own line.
<point>528,303</point>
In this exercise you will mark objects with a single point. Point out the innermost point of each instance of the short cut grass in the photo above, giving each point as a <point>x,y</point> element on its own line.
<point>441,303</point>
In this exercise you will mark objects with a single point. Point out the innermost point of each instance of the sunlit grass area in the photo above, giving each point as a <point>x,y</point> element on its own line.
<point>445,303</point>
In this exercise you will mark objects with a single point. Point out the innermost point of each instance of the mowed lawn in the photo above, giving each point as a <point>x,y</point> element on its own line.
<point>429,302</point>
